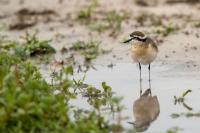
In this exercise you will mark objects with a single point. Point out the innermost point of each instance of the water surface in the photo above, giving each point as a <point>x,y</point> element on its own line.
<point>167,81</point>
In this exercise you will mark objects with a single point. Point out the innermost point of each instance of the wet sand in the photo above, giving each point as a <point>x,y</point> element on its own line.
<point>180,47</point>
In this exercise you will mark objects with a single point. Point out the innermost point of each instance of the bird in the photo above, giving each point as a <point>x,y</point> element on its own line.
<point>143,51</point>
<point>146,109</point>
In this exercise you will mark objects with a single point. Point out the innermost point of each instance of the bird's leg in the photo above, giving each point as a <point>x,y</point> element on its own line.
<point>140,80</point>
<point>149,77</point>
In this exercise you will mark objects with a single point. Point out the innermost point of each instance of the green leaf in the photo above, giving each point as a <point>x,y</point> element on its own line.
<point>106,87</point>
<point>68,70</point>
<point>186,93</point>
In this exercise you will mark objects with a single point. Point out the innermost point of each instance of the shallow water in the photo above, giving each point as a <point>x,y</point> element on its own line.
<point>167,82</point>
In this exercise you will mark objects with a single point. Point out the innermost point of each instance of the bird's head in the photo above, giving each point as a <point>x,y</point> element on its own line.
<point>136,35</point>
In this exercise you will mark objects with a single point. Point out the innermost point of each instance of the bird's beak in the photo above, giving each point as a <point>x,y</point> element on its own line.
<point>128,40</point>
<point>132,123</point>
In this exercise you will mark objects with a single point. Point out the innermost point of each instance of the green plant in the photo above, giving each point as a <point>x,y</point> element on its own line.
<point>181,100</point>
<point>3,27</point>
<point>85,14</point>
<point>174,130</point>
<point>112,20</point>
<point>28,103</point>
<point>197,24</point>
<point>89,50</point>
<point>165,30</point>
<point>182,97</point>
<point>31,46</point>
<point>186,114</point>
<point>99,26</point>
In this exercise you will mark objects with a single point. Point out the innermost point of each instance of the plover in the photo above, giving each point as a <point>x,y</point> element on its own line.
<point>143,50</point>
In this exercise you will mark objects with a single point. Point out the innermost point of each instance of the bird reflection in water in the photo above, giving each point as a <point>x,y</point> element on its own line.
<point>145,110</point>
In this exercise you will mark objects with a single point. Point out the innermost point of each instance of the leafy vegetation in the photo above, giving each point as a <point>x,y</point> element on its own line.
<point>31,46</point>
<point>174,130</point>
<point>181,100</point>
<point>28,103</point>
<point>165,30</point>
<point>3,27</point>
<point>187,114</point>
<point>182,97</point>
<point>85,14</point>
<point>89,50</point>
<point>197,24</point>
<point>110,20</point>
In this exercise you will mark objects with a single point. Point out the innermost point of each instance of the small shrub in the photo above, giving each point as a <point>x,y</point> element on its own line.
<point>28,104</point>
<point>31,47</point>
<point>90,50</point>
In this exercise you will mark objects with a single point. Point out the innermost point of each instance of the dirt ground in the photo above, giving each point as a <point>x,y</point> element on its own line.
<point>56,20</point>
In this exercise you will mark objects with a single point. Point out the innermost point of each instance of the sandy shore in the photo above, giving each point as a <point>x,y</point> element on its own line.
<point>180,47</point>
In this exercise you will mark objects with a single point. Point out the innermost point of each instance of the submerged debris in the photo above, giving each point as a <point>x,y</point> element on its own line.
<point>188,114</point>
<point>21,26</point>
<point>182,1</point>
<point>27,18</point>
<point>174,130</point>
<point>28,12</point>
